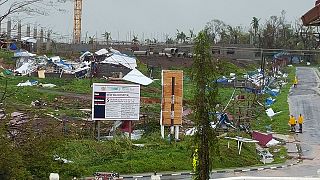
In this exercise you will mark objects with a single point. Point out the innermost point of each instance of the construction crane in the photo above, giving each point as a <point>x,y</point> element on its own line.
<point>77,21</point>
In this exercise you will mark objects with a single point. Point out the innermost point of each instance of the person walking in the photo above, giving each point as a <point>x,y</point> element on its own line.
<point>300,121</point>
<point>292,122</point>
<point>295,81</point>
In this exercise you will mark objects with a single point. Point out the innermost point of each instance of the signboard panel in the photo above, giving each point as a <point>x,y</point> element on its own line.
<point>172,94</point>
<point>115,102</point>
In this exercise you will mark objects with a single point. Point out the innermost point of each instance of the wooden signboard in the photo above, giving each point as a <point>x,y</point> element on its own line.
<point>172,95</point>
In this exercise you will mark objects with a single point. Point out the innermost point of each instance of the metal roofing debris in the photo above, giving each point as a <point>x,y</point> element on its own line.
<point>102,52</point>
<point>29,39</point>
<point>55,59</point>
<point>137,77</point>
<point>122,59</point>
<point>25,69</point>
<point>261,137</point>
<point>23,54</point>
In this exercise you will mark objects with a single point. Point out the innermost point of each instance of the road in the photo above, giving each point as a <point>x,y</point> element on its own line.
<point>304,99</point>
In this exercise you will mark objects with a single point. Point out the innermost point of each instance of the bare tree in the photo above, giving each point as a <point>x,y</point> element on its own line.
<point>215,29</point>
<point>27,7</point>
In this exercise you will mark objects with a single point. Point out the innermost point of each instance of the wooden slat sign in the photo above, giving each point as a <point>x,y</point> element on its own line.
<point>172,95</point>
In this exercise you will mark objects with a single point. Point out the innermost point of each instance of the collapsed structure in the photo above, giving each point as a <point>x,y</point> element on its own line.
<point>102,64</point>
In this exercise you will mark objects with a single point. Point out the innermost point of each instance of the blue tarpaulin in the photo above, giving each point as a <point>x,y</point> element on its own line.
<point>269,101</point>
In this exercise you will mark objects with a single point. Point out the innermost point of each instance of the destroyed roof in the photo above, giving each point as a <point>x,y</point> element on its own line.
<point>102,52</point>
<point>122,59</point>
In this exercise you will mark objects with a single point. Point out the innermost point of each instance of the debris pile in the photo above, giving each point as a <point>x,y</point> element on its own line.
<point>110,64</point>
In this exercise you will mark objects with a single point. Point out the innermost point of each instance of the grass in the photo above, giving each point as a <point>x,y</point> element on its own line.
<point>157,155</point>
<point>120,155</point>
<point>7,57</point>
<point>279,123</point>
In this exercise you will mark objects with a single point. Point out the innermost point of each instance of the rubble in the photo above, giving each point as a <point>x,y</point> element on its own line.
<point>89,64</point>
<point>18,118</point>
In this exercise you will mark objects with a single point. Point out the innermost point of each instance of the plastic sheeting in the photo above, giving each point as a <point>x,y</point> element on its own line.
<point>137,77</point>
<point>269,101</point>
<point>271,113</point>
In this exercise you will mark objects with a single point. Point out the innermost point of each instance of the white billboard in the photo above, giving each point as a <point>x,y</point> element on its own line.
<point>115,102</point>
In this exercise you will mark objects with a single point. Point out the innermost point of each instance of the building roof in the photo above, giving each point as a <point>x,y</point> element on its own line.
<point>312,17</point>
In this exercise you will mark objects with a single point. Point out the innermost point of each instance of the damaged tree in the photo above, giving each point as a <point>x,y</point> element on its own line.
<point>205,95</point>
<point>27,7</point>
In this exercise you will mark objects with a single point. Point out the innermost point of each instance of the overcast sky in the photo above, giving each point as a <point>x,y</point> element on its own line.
<point>154,18</point>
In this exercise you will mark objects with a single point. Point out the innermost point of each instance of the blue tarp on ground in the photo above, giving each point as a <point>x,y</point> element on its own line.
<point>222,80</point>
<point>269,101</point>
<point>272,92</point>
<point>13,46</point>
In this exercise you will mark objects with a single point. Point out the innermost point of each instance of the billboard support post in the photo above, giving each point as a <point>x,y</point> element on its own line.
<point>98,129</point>
<point>171,103</point>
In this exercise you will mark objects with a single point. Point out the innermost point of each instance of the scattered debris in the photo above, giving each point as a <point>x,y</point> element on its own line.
<point>38,103</point>
<point>137,77</point>
<point>63,160</point>
<point>2,114</point>
<point>266,156</point>
<point>269,101</point>
<point>28,83</point>
<point>47,85</point>
<point>271,113</point>
<point>18,118</point>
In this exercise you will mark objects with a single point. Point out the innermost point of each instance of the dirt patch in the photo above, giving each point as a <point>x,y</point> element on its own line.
<point>6,65</point>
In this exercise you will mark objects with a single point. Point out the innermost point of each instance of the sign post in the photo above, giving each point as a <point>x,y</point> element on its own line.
<point>115,102</point>
<point>171,103</point>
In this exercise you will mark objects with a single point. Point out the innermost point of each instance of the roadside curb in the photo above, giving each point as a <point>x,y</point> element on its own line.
<point>218,171</point>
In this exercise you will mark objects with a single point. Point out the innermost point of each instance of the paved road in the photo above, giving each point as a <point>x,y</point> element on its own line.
<point>304,99</point>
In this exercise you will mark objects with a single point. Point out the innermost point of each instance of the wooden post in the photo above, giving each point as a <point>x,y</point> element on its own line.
<point>98,131</point>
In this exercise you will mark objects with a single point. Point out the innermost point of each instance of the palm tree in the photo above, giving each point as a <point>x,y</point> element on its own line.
<point>255,27</point>
<point>181,36</point>
<point>192,35</point>
<point>169,41</point>
<point>135,39</point>
<point>107,36</point>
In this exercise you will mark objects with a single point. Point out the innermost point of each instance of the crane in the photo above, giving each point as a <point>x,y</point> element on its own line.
<point>77,21</point>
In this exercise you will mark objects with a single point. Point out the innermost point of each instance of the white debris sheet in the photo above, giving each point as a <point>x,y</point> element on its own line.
<point>102,52</point>
<point>28,83</point>
<point>271,113</point>
<point>25,69</point>
<point>137,77</point>
<point>122,59</point>
<point>272,142</point>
